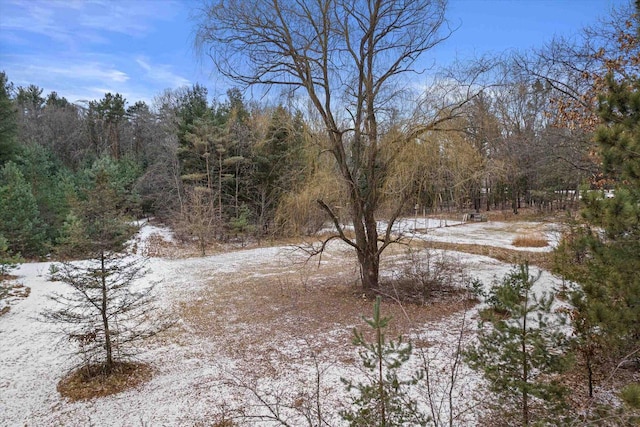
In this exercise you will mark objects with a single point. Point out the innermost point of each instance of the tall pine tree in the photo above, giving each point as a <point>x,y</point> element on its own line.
<point>603,257</point>
<point>19,216</point>
<point>8,122</point>
<point>614,291</point>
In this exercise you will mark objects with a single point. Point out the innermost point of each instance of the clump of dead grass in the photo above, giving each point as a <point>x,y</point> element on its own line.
<point>157,246</point>
<point>89,382</point>
<point>530,241</point>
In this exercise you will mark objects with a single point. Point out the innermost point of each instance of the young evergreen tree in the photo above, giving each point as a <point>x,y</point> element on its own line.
<point>383,399</point>
<point>521,351</point>
<point>8,260</point>
<point>106,310</point>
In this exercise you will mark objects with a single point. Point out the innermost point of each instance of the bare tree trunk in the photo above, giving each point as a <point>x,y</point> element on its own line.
<point>105,318</point>
<point>220,187</point>
<point>525,366</point>
<point>237,207</point>
<point>369,261</point>
<point>176,178</point>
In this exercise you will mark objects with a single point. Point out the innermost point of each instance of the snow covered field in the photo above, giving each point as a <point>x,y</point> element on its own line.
<point>196,376</point>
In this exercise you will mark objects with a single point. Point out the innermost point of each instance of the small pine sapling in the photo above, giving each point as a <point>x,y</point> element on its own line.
<point>107,309</point>
<point>383,398</point>
<point>8,260</point>
<point>521,351</point>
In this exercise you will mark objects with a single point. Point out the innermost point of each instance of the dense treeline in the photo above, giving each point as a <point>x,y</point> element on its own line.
<point>226,170</point>
<point>232,169</point>
<point>215,170</point>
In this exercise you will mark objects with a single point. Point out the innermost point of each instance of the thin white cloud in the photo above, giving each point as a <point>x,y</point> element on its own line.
<point>68,21</point>
<point>68,46</point>
<point>161,73</point>
<point>88,77</point>
<point>78,71</point>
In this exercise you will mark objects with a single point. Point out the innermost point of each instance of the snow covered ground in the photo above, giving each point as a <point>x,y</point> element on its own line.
<point>498,234</point>
<point>194,380</point>
<point>493,233</point>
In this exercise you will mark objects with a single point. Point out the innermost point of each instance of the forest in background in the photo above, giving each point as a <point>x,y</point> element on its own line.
<point>516,133</point>
<point>238,168</point>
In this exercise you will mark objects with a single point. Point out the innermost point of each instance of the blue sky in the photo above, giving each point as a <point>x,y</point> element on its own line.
<point>85,48</point>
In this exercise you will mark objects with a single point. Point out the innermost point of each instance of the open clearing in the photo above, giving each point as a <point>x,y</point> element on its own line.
<point>253,323</point>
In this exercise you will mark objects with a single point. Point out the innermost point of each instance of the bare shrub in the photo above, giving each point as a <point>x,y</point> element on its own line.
<point>429,274</point>
<point>303,403</point>
<point>197,220</point>
<point>451,400</point>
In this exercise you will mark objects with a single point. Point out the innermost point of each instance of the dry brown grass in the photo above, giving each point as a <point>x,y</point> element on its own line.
<point>281,311</point>
<point>524,214</point>
<point>89,382</point>
<point>530,241</point>
<point>288,311</point>
<point>256,314</point>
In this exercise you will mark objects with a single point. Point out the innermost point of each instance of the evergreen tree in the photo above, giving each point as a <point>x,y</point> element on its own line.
<point>8,261</point>
<point>100,214</point>
<point>277,164</point>
<point>193,113</point>
<point>122,176</point>
<point>8,123</point>
<point>51,187</point>
<point>383,399</point>
<point>105,117</point>
<point>19,216</point>
<point>141,123</point>
<point>104,314</point>
<point>602,255</point>
<point>521,350</point>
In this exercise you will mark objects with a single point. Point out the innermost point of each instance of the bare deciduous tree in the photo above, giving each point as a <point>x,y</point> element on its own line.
<point>348,57</point>
<point>198,219</point>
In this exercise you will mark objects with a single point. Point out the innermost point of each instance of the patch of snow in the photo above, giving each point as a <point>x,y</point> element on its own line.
<point>403,226</point>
